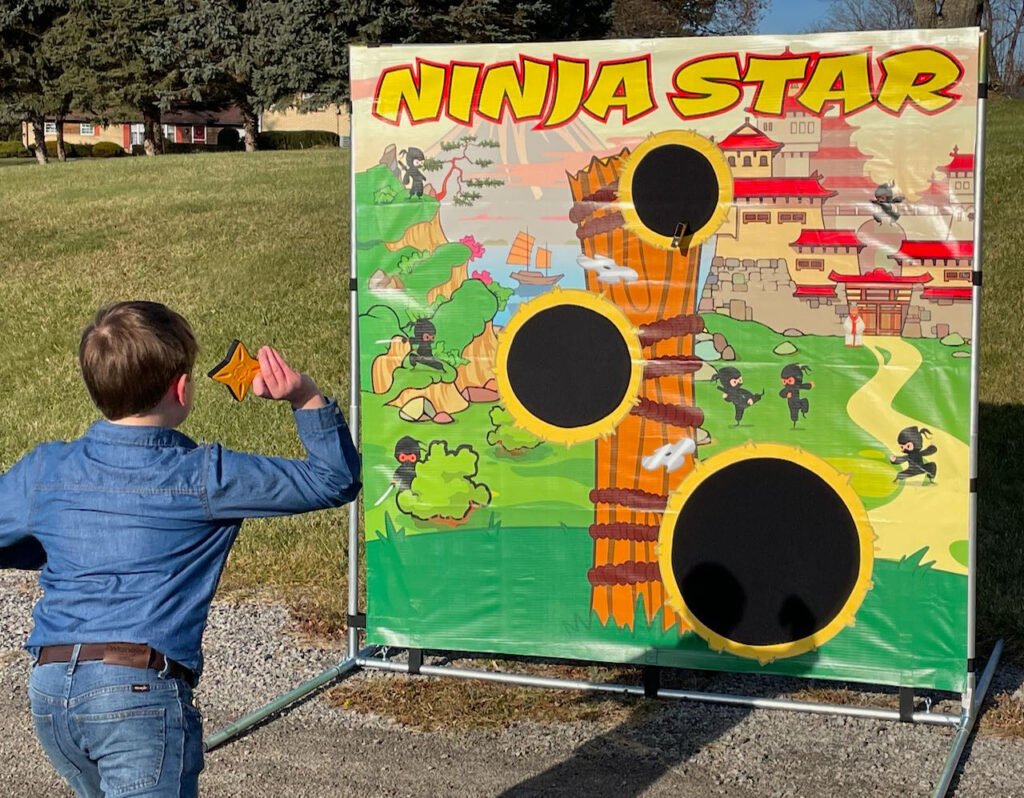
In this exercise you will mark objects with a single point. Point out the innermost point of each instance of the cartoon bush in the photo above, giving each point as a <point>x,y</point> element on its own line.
<point>443,488</point>
<point>384,195</point>
<point>505,434</point>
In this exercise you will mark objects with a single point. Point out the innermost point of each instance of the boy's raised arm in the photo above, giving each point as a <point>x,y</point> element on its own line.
<point>18,549</point>
<point>240,485</point>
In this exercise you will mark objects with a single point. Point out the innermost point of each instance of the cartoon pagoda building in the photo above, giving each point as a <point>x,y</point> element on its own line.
<point>749,151</point>
<point>935,200</point>
<point>883,298</point>
<point>768,211</point>
<point>960,182</point>
<point>799,133</point>
<point>819,255</point>
<point>945,271</point>
<point>843,165</point>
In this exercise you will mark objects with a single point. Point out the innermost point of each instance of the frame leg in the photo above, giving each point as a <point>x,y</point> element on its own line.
<point>344,668</point>
<point>966,726</point>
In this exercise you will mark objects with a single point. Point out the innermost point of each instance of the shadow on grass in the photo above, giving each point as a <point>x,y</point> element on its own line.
<point>1001,528</point>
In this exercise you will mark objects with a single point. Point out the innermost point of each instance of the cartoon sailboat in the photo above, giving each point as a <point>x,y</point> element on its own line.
<point>519,255</point>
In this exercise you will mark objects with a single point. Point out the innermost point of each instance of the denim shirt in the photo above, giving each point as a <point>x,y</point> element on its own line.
<point>136,524</point>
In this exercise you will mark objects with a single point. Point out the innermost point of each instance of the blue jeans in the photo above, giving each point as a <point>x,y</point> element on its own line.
<point>111,730</point>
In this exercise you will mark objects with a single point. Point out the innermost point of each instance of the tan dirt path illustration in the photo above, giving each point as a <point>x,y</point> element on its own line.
<point>921,515</point>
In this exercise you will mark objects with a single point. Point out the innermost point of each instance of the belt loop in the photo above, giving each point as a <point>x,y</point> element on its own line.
<point>72,664</point>
<point>73,661</point>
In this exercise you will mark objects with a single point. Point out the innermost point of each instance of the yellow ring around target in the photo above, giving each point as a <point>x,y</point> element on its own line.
<point>839,482</point>
<point>537,426</point>
<point>715,158</point>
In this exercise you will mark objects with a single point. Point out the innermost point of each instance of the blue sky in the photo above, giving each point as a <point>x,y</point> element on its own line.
<point>791,16</point>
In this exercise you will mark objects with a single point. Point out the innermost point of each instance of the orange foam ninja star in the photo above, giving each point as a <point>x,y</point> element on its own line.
<point>236,370</point>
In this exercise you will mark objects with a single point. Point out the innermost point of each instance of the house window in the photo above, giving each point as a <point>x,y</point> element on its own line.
<point>757,218</point>
<point>803,127</point>
<point>949,275</point>
<point>764,160</point>
<point>810,263</point>
<point>168,131</point>
<point>746,160</point>
<point>810,127</point>
<point>793,216</point>
<point>792,127</point>
<point>49,128</point>
<point>732,160</point>
<point>85,129</point>
<point>199,134</point>
<point>138,135</point>
<point>767,126</point>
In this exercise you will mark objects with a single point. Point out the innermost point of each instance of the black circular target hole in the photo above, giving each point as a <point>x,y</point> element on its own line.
<point>569,366</point>
<point>671,184</point>
<point>765,552</point>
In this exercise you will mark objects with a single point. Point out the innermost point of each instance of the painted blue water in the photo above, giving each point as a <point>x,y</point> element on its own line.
<point>563,261</point>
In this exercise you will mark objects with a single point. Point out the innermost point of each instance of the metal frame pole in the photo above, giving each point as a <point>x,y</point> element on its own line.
<point>353,407</point>
<point>344,668</point>
<point>966,725</point>
<point>554,683</point>
<point>979,198</point>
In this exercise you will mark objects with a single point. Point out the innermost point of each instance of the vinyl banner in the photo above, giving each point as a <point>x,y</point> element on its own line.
<point>665,350</point>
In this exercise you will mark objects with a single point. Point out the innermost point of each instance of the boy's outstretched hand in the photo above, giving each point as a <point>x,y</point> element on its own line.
<point>278,380</point>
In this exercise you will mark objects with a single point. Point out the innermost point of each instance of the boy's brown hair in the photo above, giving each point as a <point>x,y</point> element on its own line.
<point>131,353</point>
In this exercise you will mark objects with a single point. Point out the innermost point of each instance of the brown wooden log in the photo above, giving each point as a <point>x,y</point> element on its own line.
<point>636,532</point>
<point>626,573</point>
<point>676,415</point>
<point>628,497</point>
<point>671,365</point>
<point>672,327</point>
<point>597,225</point>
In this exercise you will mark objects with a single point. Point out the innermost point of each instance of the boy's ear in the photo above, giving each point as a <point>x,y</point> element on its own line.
<point>179,389</point>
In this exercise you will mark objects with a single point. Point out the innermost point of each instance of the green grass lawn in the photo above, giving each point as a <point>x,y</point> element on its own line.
<point>253,247</point>
<point>257,247</point>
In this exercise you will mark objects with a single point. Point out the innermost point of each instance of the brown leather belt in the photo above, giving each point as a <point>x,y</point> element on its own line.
<point>132,655</point>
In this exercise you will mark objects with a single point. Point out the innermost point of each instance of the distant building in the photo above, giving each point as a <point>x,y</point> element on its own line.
<point>333,118</point>
<point>187,125</point>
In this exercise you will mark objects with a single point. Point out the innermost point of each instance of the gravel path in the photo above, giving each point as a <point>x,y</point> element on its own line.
<point>682,749</point>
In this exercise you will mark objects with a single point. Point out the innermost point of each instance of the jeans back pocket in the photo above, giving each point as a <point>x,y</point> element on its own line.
<point>128,746</point>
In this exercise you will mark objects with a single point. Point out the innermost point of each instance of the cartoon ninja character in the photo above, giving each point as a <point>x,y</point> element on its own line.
<point>730,380</point>
<point>412,176</point>
<point>885,199</point>
<point>407,452</point>
<point>911,442</point>
<point>792,384</point>
<point>423,334</point>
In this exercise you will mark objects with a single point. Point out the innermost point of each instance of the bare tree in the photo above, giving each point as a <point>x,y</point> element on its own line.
<point>948,13</point>
<point>657,18</point>
<point>1004,19</point>
<point>845,15</point>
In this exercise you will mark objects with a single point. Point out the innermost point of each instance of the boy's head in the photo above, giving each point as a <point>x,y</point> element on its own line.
<point>131,355</point>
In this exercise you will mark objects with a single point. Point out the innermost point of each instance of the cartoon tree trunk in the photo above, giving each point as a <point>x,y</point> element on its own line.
<point>629,500</point>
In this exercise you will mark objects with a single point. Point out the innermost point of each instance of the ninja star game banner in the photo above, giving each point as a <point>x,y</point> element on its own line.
<point>665,350</point>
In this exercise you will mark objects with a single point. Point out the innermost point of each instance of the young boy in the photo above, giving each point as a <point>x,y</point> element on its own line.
<point>131,525</point>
